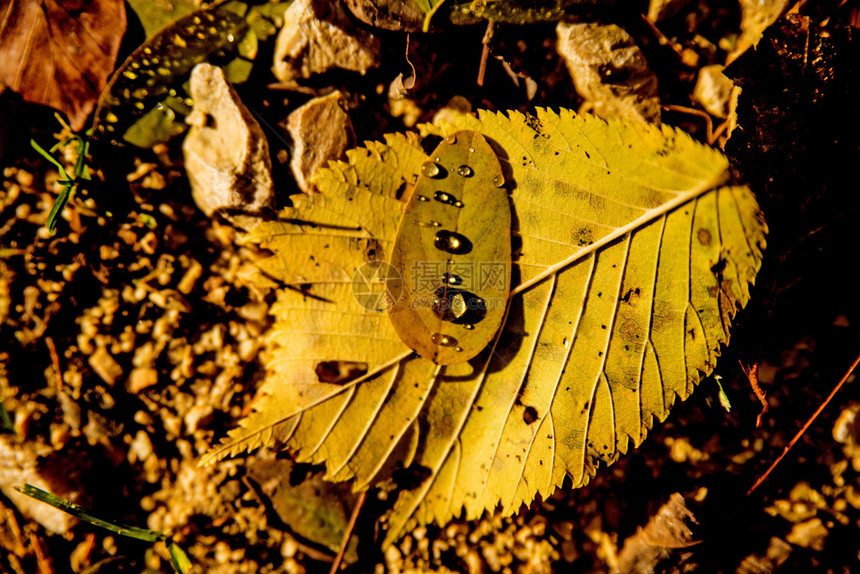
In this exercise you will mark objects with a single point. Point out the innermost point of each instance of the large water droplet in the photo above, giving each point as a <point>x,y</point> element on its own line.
<point>465,171</point>
<point>452,242</point>
<point>451,139</point>
<point>499,181</point>
<point>457,204</point>
<point>469,327</point>
<point>423,198</point>
<point>430,169</point>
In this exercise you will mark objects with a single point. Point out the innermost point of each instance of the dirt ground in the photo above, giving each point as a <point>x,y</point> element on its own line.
<point>130,340</point>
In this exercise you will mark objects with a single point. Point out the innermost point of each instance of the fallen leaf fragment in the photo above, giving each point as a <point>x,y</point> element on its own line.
<point>666,531</point>
<point>756,17</point>
<point>314,509</point>
<point>60,54</point>
<point>609,71</point>
<point>318,36</point>
<point>321,131</point>
<point>226,154</point>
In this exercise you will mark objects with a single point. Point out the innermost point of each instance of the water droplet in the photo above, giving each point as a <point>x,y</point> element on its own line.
<point>457,204</point>
<point>231,38</point>
<point>471,150</point>
<point>566,343</point>
<point>423,198</point>
<point>458,349</point>
<point>428,223</point>
<point>499,181</point>
<point>451,139</point>
<point>430,169</point>
<point>449,304</point>
<point>465,171</point>
<point>437,159</point>
<point>442,197</point>
<point>443,340</point>
<point>452,242</point>
<point>469,327</point>
<point>451,279</point>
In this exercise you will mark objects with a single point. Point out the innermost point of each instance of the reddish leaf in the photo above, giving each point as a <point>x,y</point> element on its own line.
<point>60,54</point>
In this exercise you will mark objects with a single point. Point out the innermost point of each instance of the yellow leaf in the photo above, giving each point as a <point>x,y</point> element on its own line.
<point>631,257</point>
<point>451,258</point>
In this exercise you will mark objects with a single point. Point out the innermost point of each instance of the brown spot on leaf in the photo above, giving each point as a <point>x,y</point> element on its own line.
<point>704,236</point>
<point>530,415</point>
<point>339,372</point>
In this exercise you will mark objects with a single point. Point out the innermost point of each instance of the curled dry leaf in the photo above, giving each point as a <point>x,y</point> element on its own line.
<point>318,36</point>
<point>631,257</point>
<point>60,54</point>
<point>666,531</point>
<point>321,131</point>
<point>609,71</point>
<point>226,153</point>
<point>756,17</point>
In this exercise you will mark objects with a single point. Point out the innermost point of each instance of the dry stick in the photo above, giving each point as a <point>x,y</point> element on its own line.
<point>55,360</point>
<point>709,125</point>
<point>485,52</point>
<point>348,534</point>
<point>806,426</point>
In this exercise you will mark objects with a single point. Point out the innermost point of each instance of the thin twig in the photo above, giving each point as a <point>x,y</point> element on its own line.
<point>344,543</point>
<point>485,51</point>
<point>55,360</point>
<point>806,426</point>
<point>709,124</point>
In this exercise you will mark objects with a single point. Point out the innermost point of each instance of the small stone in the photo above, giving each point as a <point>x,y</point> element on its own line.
<point>609,71</point>
<point>713,90</point>
<point>226,153</point>
<point>105,366</point>
<point>318,36</point>
<point>321,131</point>
<point>809,534</point>
<point>141,378</point>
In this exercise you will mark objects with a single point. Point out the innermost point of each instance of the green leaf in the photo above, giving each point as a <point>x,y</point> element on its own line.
<point>157,68</point>
<point>631,257</point>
